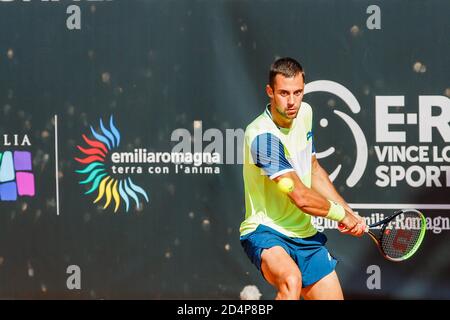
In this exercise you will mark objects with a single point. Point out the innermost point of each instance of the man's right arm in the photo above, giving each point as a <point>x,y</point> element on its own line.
<point>268,153</point>
<point>313,203</point>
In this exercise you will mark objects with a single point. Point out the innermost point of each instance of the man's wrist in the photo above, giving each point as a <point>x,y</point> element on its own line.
<point>336,212</point>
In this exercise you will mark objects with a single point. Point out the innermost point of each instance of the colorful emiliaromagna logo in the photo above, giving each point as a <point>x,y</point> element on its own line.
<point>97,173</point>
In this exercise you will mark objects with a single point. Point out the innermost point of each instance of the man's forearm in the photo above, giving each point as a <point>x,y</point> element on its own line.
<point>322,184</point>
<point>306,199</point>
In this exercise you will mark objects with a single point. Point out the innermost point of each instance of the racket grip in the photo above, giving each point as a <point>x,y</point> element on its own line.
<point>341,227</point>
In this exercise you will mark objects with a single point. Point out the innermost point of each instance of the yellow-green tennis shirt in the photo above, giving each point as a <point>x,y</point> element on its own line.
<point>269,152</point>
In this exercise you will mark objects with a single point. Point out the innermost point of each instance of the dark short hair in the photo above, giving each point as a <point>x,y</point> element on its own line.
<point>287,67</point>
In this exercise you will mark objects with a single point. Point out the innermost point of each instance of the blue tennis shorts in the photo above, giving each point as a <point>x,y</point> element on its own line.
<point>310,254</point>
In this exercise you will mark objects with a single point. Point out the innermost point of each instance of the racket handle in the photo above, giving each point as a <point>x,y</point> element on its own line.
<point>341,226</point>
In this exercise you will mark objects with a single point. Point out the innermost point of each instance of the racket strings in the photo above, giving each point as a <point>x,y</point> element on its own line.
<point>402,234</point>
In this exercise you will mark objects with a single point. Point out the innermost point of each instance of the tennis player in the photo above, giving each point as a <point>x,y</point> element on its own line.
<point>277,233</point>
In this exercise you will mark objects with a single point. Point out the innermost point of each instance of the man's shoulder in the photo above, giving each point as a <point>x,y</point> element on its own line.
<point>306,114</point>
<point>260,124</point>
<point>306,108</point>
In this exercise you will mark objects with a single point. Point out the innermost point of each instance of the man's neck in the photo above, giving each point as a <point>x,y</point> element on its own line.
<point>279,120</point>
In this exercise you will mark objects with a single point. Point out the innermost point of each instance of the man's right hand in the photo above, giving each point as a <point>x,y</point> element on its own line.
<point>352,224</point>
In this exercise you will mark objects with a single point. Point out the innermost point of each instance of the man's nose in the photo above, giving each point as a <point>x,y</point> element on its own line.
<point>291,99</point>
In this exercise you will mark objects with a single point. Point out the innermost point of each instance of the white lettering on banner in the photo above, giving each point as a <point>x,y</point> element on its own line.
<point>73,21</point>
<point>16,140</point>
<point>415,176</point>
<point>426,120</point>
<point>402,162</point>
<point>143,156</point>
<point>384,118</point>
<point>442,156</point>
<point>181,156</point>
<point>74,280</point>
<point>435,224</point>
<point>374,20</point>
<point>234,140</point>
<point>374,280</point>
<point>402,153</point>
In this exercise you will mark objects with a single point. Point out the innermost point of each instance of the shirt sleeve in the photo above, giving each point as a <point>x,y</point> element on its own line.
<point>268,154</point>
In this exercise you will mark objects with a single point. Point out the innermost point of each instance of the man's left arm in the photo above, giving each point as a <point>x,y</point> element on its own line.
<point>322,184</point>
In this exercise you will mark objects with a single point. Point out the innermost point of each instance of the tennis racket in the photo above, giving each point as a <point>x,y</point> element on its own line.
<point>398,236</point>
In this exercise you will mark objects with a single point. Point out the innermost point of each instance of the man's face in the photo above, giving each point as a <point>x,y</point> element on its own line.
<point>286,95</point>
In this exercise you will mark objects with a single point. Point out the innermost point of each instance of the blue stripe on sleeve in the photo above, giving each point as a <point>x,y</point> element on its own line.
<point>268,154</point>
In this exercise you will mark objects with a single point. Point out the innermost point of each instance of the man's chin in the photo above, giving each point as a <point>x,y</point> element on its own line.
<point>292,115</point>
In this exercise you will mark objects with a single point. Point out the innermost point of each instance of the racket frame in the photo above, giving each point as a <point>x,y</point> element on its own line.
<point>384,224</point>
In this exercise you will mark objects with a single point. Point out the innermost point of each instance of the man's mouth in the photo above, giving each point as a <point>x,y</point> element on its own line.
<point>291,111</point>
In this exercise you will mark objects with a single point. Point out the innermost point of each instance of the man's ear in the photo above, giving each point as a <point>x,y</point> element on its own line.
<point>269,91</point>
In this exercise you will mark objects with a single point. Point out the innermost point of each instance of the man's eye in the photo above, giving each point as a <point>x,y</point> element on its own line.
<point>284,94</point>
<point>298,93</point>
